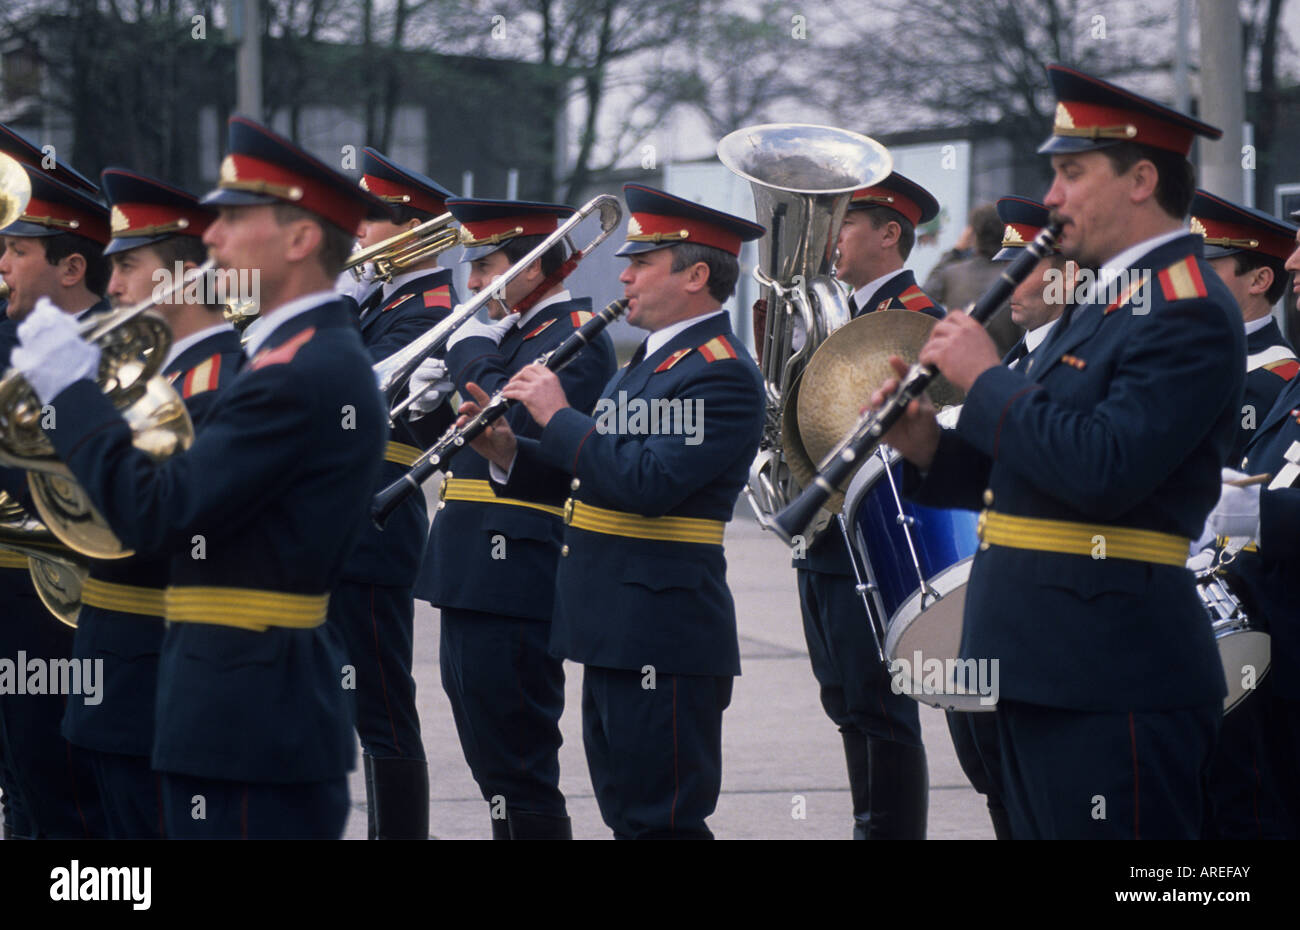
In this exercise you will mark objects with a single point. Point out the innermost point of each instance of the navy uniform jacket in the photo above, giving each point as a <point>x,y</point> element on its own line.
<point>1270,364</point>
<point>392,557</point>
<point>127,643</point>
<point>459,570</point>
<point>1271,577</point>
<point>1126,420</point>
<point>829,553</point>
<point>277,485</point>
<point>624,603</point>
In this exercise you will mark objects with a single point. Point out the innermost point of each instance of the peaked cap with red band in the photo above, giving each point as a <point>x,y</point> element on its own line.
<point>898,193</point>
<point>393,184</point>
<point>660,220</point>
<point>488,224</point>
<point>1094,114</point>
<point>265,168</point>
<point>1024,219</point>
<point>1229,228</point>
<point>144,210</point>
<point>25,153</point>
<point>56,209</point>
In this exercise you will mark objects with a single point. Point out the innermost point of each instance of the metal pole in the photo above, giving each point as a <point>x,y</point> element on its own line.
<point>1223,97</point>
<point>246,22</point>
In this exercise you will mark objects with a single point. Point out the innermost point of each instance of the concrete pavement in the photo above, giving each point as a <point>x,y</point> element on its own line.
<point>778,744</point>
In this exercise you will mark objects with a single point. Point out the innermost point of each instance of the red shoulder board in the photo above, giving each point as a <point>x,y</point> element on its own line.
<point>284,352</point>
<point>439,297</point>
<point>538,330</point>
<point>717,348</point>
<point>1182,280</point>
<point>580,317</point>
<point>915,299</point>
<point>202,377</point>
<point>397,303</point>
<point>1127,294</point>
<point>673,359</point>
<point>1286,369</point>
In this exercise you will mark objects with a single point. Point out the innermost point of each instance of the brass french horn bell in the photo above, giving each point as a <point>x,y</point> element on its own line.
<point>15,190</point>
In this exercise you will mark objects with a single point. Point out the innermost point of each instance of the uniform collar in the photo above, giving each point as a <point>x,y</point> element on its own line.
<point>194,339</point>
<point>1255,326</point>
<point>1038,335</point>
<point>559,297</point>
<point>661,337</point>
<point>400,281</point>
<point>1130,257</point>
<point>869,290</point>
<point>283,314</point>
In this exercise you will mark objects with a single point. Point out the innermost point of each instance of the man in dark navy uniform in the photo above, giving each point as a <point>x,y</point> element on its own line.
<point>1095,470</point>
<point>641,594</point>
<point>975,735</point>
<point>373,604</point>
<point>491,560</point>
<point>254,734</point>
<point>1247,248</point>
<point>888,777</point>
<point>156,229</point>
<point>54,251</point>
<point>1267,573</point>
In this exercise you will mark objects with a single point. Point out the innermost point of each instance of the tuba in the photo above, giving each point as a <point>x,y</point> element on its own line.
<point>802,177</point>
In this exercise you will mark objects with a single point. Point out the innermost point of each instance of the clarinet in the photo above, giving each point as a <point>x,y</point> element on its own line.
<point>458,437</point>
<point>866,435</point>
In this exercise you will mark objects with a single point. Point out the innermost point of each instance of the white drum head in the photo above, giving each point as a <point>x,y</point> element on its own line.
<point>1242,651</point>
<point>916,638</point>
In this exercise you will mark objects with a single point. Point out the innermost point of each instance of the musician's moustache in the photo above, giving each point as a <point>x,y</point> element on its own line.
<point>1058,217</point>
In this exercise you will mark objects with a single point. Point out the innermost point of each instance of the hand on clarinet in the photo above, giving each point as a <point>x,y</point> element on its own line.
<point>916,434</point>
<point>497,442</point>
<point>961,349</point>
<point>539,389</point>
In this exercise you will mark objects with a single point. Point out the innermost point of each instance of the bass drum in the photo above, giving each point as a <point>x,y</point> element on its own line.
<point>915,563</point>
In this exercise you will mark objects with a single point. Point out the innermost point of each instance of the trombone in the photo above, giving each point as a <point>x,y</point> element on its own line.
<point>394,371</point>
<point>406,248</point>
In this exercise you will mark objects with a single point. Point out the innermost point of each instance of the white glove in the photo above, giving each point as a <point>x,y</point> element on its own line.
<point>1202,560</point>
<point>1237,512</point>
<point>494,331</point>
<point>51,353</point>
<point>431,379</point>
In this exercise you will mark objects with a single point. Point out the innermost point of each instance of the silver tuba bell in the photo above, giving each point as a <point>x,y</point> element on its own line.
<point>803,177</point>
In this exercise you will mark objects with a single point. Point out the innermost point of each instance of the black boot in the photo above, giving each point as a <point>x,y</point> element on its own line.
<point>859,763</point>
<point>1001,819</point>
<point>900,791</point>
<point>399,798</point>
<point>525,825</point>
<point>367,766</point>
<point>500,828</point>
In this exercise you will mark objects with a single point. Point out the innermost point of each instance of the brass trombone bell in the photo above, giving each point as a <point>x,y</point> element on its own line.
<point>407,248</point>
<point>58,573</point>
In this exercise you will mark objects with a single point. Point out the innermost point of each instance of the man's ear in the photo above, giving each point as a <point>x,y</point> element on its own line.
<point>303,240</point>
<point>697,278</point>
<point>891,234</point>
<point>1261,279</point>
<point>1145,179</point>
<point>72,270</point>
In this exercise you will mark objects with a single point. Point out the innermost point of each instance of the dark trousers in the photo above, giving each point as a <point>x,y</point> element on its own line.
<point>655,754</point>
<point>1244,802</point>
<point>1281,725</point>
<point>975,739</point>
<point>132,794</point>
<point>855,685</point>
<point>507,695</point>
<point>209,808</point>
<point>1071,774</point>
<point>377,623</point>
<point>50,787</point>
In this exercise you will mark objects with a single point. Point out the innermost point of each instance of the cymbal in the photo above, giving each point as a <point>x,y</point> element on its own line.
<point>15,190</point>
<point>803,468</point>
<point>852,364</point>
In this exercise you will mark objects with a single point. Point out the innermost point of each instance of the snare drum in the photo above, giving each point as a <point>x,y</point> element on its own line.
<point>1243,647</point>
<point>915,562</point>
